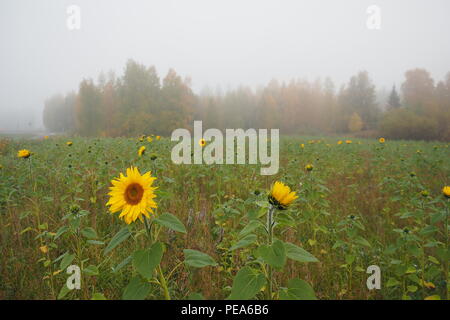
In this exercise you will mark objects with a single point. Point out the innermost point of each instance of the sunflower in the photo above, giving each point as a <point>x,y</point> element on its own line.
<point>339,142</point>
<point>348,141</point>
<point>149,139</point>
<point>141,151</point>
<point>202,142</point>
<point>69,143</point>
<point>132,195</point>
<point>45,137</point>
<point>382,140</point>
<point>158,137</point>
<point>281,196</point>
<point>302,145</point>
<point>446,191</point>
<point>24,154</point>
<point>309,167</point>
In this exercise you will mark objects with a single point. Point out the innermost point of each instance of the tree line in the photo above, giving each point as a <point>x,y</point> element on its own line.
<point>139,102</point>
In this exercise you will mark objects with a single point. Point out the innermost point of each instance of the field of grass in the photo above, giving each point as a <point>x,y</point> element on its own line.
<point>363,203</point>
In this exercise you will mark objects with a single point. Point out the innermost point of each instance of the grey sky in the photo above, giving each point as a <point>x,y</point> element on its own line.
<point>226,43</point>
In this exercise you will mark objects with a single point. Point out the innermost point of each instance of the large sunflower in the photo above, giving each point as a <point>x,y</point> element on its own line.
<point>281,196</point>
<point>132,195</point>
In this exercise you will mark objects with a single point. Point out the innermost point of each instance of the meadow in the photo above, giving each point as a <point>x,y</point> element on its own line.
<point>360,203</point>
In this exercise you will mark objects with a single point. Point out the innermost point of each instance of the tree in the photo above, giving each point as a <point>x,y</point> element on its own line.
<point>355,123</point>
<point>394,99</point>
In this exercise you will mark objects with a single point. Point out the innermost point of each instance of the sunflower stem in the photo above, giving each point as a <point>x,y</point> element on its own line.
<point>269,242</point>
<point>163,283</point>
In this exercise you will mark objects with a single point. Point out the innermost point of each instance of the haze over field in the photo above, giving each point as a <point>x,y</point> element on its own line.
<point>216,43</point>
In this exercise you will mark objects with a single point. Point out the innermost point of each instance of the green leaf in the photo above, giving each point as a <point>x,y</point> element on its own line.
<point>196,296</point>
<point>247,240</point>
<point>298,254</point>
<point>89,233</point>
<point>66,261</point>
<point>91,270</point>
<point>246,284</point>
<point>136,289</point>
<point>392,282</point>
<point>362,241</point>
<point>120,237</point>
<point>170,221</point>
<point>98,296</point>
<point>95,242</point>
<point>274,255</point>
<point>63,292</point>
<point>122,264</point>
<point>250,227</point>
<point>198,259</point>
<point>298,290</point>
<point>61,231</point>
<point>145,261</point>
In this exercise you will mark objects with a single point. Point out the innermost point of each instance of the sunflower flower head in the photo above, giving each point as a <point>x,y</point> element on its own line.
<point>132,195</point>
<point>339,142</point>
<point>381,140</point>
<point>149,139</point>
<point>69,143</point>
<point>348,141</point>
<point>281,195</point>
<point>158,137</point>
<point>202,142</point>
<point>446,191</point>
<point>309,167</point>
<point>24,154</point>
<point>141,151</point>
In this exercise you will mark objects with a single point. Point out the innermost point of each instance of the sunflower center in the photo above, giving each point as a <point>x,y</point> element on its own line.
<point>134,193</point>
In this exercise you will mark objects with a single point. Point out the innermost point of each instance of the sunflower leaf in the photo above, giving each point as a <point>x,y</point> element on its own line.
<point>145,261</point>
<point>120,237</point>
<point>198,259</point>
<point>170,221</point>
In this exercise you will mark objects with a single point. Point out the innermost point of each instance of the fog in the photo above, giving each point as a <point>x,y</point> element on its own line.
<point>216,43</point>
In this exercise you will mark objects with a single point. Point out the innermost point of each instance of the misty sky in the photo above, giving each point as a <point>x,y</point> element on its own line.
<point>217,43</point>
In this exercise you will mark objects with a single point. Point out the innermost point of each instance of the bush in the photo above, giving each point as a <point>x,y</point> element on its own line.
<point>404,124</point>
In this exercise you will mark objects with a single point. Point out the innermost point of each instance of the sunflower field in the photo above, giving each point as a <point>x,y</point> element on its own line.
<point>138,226</point>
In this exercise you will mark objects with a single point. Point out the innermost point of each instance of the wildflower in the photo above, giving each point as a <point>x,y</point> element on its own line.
<point>309,167</point>
<point>45,137</point>
<point>149,139</point>
<point>348,141</point>
<point>44,249</point>
<point>339,142</point>
<point>302,145</point>
<point>141,151</point>
<point>69,143</point>
<point>133,195</point>
<point>382,140</point>
<point>446,191</point>
<point>24,154</point>
<point>158,137</point>
<point>202,142</point>
<point>281,196</point>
